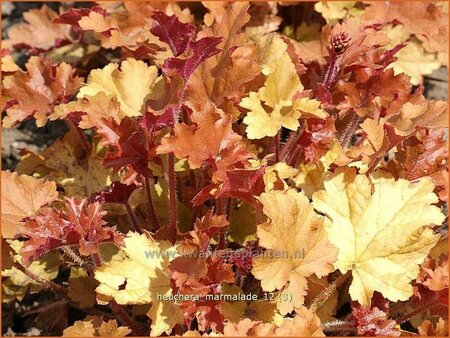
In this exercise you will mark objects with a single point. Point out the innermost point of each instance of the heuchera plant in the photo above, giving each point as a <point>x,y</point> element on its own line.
<point>230,169</point>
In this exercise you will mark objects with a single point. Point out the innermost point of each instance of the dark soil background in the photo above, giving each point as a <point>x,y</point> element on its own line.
<point>19,318</point>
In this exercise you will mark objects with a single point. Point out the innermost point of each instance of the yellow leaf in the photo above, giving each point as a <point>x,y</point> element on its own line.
<point>260,123</point>
<point>276,174</point>
<point>94,326</point>
<point>304,324</point>
<point>61,162</point>
<point>397,34</point>
<point>271,48</point>
<point>131,85</point>
<point>164,316</point>
<point>248,328</point>
<point>415,62</point>
<point>96,108</point>
<point>310,178</point>
<point>235,311</point>
<point>8,64</point>
<point>280,86</point>
<point>16,284</point>
<point>365,213</point>
<point>82,288</point>
<point>77,178</point>
<point>112,329</point>
<point>140,278</point>
<point>22,196</point>
<point>242,226</point>
<point>310,107</point>
<point>430,114</point>
<point>332,11</point>
<point>412,59</point>
<point>80,329</point>
<point>296,245</point>
<point>308,32</point>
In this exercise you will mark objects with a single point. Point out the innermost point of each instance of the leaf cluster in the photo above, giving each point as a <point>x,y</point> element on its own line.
<point>218,150</point>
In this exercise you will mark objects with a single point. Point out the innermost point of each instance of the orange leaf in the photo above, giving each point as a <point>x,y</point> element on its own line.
<point>36,91</point>
<point>22,196</point>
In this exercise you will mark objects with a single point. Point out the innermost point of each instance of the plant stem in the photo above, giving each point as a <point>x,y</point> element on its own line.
<point>172,196</point>
<point>222,235</point>
<point>75,258</point>
<point>118,309</point>
<point>277,147</point>
<point>293,156</point>
<point>132,218</point>
<point>332,73</point>
<point>97,259</point>
<point>151,206</point>
<point>339,326</point>
<point>228,208</point>
<point>349,131</point>
<point>415,312</point>
<point>46,283</point>
<point>292,140</point>
<point>219,207</point>
<point>328,292</point>
<point>125,319</point>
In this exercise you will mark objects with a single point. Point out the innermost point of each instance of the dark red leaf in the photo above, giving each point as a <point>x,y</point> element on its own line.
<point>80,224</point>
<point>200,51</point>
<point>171,31</point>
<point>316,139</point>
<point>373,322</point>
<point>116,193</point>
<point>130,145</point>
<point>73,15</point>
<point>243,184</point>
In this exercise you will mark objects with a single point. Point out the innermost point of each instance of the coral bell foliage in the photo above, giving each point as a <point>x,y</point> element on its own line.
<point>230,169</point>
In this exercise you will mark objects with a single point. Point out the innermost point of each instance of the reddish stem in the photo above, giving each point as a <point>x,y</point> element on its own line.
<point>293,155</point>
<point>219,206</point>
<point>47,284</point>
<point>118,309</point>
<point>222,236</point>
<point>228,208</point>
<point>292,140</point>
<point>329,291</point>
<point>340,327</point>
<point>133,218</point>
<point>349,131</point>
<point>172,196</point>
<point>151,206</point>
<point>420,309</point>
<point>332,73</point>
<point>97,259</point>
<point>126,319</point>
<point>75,258</point>
<point>277,147</point>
